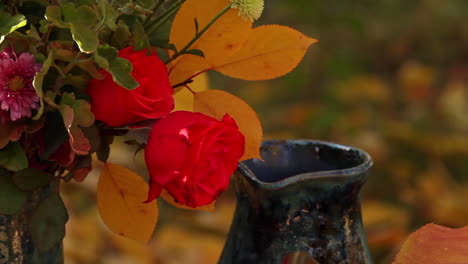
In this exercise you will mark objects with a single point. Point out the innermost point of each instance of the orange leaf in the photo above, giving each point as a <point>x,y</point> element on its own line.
<point>216,103</point>
<point>270,52</point>
<point>169,199</point>
<point>184,98</point>
<point>220,41</point>
<point>185,67</point>
<point>435,244</point>
<point>120,197</point>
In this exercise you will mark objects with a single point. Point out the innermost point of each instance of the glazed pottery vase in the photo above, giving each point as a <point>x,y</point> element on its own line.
<point>300,204</point>
<point>37,218</point>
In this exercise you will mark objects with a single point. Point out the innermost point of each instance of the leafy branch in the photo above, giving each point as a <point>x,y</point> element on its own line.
<point>185,50</point>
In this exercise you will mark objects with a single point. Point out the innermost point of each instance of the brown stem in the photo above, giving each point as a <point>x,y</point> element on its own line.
<point>190,79</point>
<point>190,89</point>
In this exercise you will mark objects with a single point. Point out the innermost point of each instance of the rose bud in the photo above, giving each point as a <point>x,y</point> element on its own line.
<point>117,106</point>
<point>192,156</point>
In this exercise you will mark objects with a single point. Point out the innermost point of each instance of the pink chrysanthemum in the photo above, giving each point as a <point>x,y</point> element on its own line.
<point>17,95</point>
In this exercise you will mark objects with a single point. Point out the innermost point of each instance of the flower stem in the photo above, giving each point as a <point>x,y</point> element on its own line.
<point>190,89</point>
<point>161,22</point>
<point>190,79</point>
<point>199,34</point>
<point>158,5</point>
<point>164,16</point>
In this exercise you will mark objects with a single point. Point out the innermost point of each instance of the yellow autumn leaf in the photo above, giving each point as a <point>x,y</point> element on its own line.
<point>269,52</point>
<point>169,199</point>
<point>120,196</point>
<point>186,67</point>
<point>216,103</point>
<point>220,41</point>
<point>183,98</point>
<point>435,244</point>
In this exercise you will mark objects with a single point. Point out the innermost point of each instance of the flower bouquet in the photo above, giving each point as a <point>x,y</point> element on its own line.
<point>75,74</point>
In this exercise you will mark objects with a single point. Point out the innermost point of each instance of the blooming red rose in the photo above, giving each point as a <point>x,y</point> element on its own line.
<point>117,106</point>
<point>192,156</point>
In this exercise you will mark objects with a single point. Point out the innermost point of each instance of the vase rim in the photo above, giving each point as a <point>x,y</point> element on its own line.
<point>343,174</point>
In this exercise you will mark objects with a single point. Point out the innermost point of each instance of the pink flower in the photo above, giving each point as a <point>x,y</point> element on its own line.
<point>17,95</point>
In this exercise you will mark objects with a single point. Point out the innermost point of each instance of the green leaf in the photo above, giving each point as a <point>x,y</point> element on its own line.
<point>55,133</point>
<point>104,148</point>
<point>195,52</point>
<point>83,15</point>
<point>43,26</point>
<point>81,20</point>
<point>81,108</point>
<point>140,39</point>
<point>13,157</point>
<point>172,47</point>
<point>79,82</point>
<point>9,23</point>
<point>48,223</point>
<point>31,178</point>
<point>11,198</point>
<point>39,81</point>
<point>109,15</point>
<point>90,67</point>
<point>54,15</point>
<point>86,38</point>
<point>160,37</point>
<point>195,21</point>
<point>122,35</point>
<point>92,134</point>
<point>120,68</point>
<point>104,55</point>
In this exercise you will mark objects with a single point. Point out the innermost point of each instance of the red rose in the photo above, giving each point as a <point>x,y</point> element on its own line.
<point>192,156</point>
<point>117,106</point>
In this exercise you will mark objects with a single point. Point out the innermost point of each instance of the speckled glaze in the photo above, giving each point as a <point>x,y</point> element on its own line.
<point>302,198</point>
<point>16,245</point>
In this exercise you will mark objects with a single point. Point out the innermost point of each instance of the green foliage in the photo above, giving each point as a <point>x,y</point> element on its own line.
<point>108,14</point>
<point>195,52</point>
<point>39,81</point>
<point>55,133</point>
<point>121,35</point>
<point>82,109</point>
<point>12,199</point>
<point>48,223</point>
<point>104,150</point>
<point>81,20</point>
<point>9,23</point>
<point>54,15</point>
<point>13,157</point>
<point>31,178</point>
<point>140,39</point>
<point>120,68</point>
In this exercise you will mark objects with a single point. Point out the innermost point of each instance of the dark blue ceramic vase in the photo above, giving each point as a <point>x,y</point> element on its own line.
<point>300,204</point>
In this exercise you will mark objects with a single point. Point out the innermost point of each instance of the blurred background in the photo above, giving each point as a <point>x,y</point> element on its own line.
<point>387,76</point>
